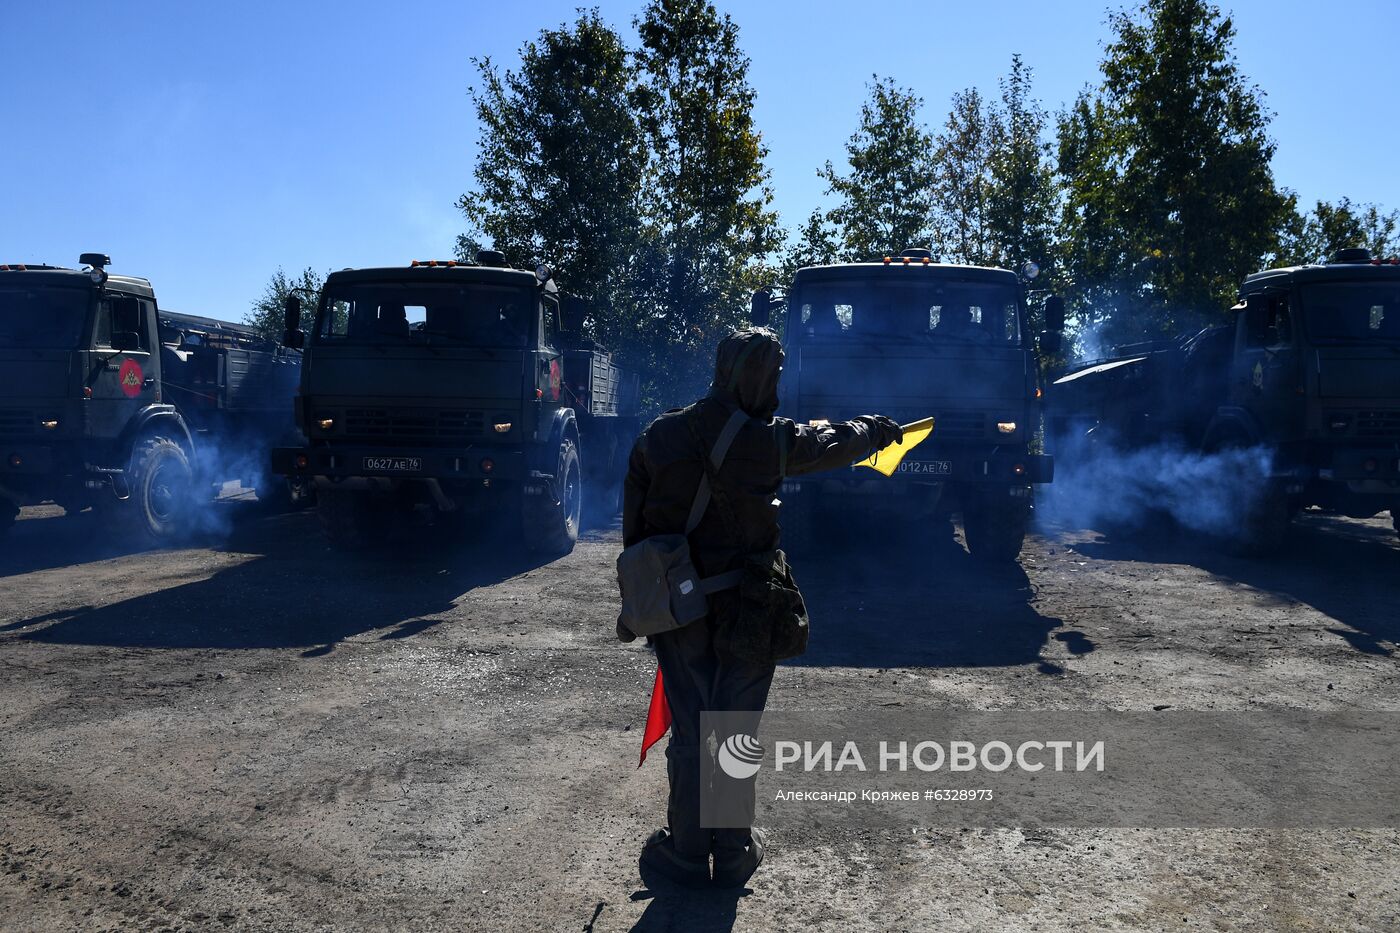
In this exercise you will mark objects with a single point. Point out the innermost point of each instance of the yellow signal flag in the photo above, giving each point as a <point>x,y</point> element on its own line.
<point>886,460</point>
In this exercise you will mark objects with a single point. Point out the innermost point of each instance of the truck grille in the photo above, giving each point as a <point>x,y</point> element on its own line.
<point>1378,423</point>
<point>424,427</point>
<point>960,426</point>
<point>16,422</point>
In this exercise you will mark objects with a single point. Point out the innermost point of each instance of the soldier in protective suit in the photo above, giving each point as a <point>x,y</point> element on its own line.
<point>726,660</point>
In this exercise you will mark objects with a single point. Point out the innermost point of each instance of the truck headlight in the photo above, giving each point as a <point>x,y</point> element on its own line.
<point>820,423</point>
<point>502,428</point>
<point>325,423</point>
<point>49,424</point>
<point>1006,427</point>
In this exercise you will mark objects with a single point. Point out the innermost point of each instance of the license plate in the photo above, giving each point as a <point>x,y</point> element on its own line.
<point>925,467</point>
<point>394,464</point>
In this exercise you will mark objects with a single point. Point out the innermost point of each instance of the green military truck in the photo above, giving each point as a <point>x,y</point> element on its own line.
<point>108,401</point>
<point>456,388</point>
<point>1307,373</point>
<point>909,337</point>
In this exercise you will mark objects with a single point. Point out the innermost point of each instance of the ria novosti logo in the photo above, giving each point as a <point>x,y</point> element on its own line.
<point>740,756</point>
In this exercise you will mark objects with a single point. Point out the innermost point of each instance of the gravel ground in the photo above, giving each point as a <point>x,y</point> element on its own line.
<point>259,734</point>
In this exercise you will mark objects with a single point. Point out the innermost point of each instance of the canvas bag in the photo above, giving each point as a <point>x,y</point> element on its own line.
<point>661,590</point>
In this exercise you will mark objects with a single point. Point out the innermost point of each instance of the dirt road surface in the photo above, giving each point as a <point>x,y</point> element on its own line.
<point>259,734</point>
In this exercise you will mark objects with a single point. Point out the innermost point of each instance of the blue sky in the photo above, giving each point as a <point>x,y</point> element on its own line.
<point>204,145</point>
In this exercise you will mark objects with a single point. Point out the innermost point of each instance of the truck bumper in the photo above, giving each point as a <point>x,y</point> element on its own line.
<point>980,469</point>
<point>478,464</point>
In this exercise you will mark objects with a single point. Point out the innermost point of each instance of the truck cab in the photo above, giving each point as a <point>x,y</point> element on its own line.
<point>453,387</point>
<point>80,382</point>
<point>1315,375</point>
<point>107,400</point>
<point>909,338</point>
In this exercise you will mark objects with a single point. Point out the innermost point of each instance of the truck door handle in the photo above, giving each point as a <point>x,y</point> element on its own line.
<point>148,382</point>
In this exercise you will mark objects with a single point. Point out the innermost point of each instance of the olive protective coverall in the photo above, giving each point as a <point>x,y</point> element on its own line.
<point>663,474</point>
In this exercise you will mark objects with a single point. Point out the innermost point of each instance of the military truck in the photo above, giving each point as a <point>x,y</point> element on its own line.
<point>456,389</point>
<point>109,401</point>
<point>1308,372</point>
<point>909,337</point>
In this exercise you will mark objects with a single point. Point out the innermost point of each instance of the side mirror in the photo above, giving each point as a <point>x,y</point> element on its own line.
<point>758,307</point>
<point>1055,314</point>
<point>571,313</point>
<point>291,322</point>
<point>1051,341</point>
<point>124,341</point>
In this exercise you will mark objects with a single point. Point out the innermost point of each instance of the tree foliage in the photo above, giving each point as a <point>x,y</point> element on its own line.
<point>266,314</point>
<point>639,171</point>
<point>885,203</point>
<point>710,224</point>
<point>1170,199</point>
<point>962,181</point>
<point>1316,235</point>
<point>562,162</point>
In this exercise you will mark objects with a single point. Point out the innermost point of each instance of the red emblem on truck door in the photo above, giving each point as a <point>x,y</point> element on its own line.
<point>556,379</point>
<point>130,378</point>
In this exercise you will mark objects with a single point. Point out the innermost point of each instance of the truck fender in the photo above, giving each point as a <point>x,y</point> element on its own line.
<point>1236,423</point>
<point>163,418</point>
<point>565,423</point>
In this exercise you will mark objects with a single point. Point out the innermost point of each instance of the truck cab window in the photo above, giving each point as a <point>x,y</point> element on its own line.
<point>550,309</point>
<point>118,313</point>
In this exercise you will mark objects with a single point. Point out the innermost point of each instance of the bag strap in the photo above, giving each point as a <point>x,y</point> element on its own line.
<point>721,448</point>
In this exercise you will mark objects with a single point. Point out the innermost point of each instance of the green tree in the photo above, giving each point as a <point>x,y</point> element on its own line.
<point>1315,236</point>
<point>561,166</point>
<point>1023,194</point>
<point>962,179</point>
<point>266,314</point>
<point>1170,199</point>
<point>885,202</point>
<point>709,222</point>
<point>815,244</point>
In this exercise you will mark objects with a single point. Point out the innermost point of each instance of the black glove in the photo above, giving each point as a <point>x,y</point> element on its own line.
<point>884,431</point>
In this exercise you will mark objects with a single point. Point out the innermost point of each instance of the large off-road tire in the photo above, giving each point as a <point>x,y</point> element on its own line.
<point>283,494</point>
<point>550,521</point>
<point>1263,529</point>
<point>161,493</point>
<point>351,521</point>
<point>995,526</point>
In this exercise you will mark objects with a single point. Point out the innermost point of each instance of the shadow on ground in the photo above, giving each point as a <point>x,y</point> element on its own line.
<point>913,597</point>
<point>701,911</point>
<point>289,590</point>
<point>1348,570</point>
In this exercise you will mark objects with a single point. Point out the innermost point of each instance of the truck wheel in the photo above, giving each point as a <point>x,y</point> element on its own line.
<point>1263,529</point>
<point>161,485</point>
<point>550,523</point>
<point>282,494</point>
<point>995,528</point>
<point>351,522</point>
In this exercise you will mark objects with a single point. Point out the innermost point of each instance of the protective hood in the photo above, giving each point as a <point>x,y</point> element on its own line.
<point>747,368</point>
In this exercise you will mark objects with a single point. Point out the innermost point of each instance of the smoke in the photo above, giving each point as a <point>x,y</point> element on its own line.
<point>1101,486</point>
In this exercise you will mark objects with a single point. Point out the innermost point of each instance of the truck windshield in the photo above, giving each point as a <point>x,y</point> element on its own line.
<point>42,318</point>
<point>474,315</point>
<point>934,310</point>
<point>1351,312</point>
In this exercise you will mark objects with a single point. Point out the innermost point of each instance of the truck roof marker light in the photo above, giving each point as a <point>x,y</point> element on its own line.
<point>414,263</point>
<point>906,260</point>
<point>887,260</point>
<point>927,260</point>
